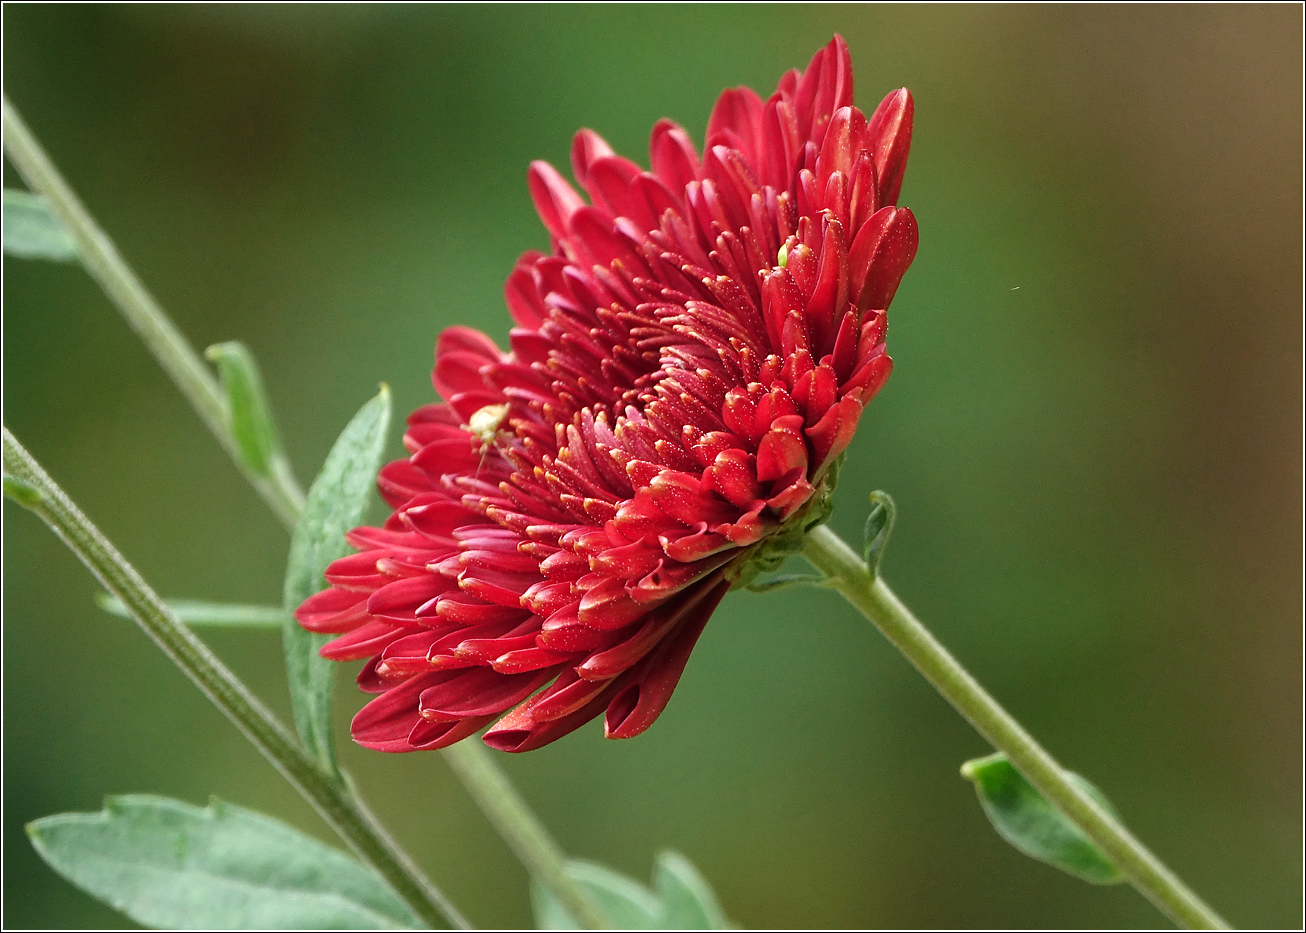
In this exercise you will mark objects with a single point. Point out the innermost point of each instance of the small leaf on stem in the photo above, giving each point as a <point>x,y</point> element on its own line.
<point>784,581</point>
<point>1024,818</point>
<point>334,506</point>
<point>249,416</point>
<point>170,865</point>
<point>879,525</point>
<point>198,613</point>
<point>31,231</point>
<point>26,496</point>
<point>680,900</point>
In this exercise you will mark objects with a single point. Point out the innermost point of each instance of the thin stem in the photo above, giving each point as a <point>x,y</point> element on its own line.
<point>343,811</point>
<point>520,828</point>
<point>279,490</point>
<point>848,574</point>
<point>178,359</point>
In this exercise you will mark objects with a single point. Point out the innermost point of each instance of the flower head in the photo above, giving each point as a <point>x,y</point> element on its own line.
<point>689,362</point>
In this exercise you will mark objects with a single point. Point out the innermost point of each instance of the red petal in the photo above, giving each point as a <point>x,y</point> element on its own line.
<point>333,610</point>
<point>880,255</point>
<point>385,723</point>
<point>646,693</point>
<point>478,691</point>
<point>362,642</point>
<point>889,136</point>
<point>555,200</point>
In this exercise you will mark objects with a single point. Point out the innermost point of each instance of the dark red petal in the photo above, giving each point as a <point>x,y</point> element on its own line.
<point>889,136</point>
<point>364,641</point>
<point>880,255</point>
<point>478,691</point>
<point>333,610</point>
<point>400,600</point>
<point>385,723</point>
<point>427,735</point>
<point>519,731</point>
<point>646,692</point>
<point>672,156</point>
<point>587,147</point>
<point>555,200</point>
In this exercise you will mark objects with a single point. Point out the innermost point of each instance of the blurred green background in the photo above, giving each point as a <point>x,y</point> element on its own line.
<point>1093,432</point>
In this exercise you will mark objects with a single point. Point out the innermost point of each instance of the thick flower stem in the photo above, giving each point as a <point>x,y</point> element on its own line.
<point>846,572</point>
<point>340,808</point>
<point>504,808</point>
<point>520,828</point>
<point>102,260</point>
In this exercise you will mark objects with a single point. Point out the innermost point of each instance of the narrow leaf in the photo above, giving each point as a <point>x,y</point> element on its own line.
<point>1024,818</point>
<point>31,231</point>
<point>248,412</point>
<point>334,506</point>
<point>687,899</point>
<point>879,525</point>
<point>27,496</point>
<point>199,613</point>
<point>170,865</point>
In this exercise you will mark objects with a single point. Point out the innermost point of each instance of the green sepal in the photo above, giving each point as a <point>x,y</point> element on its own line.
<point>32,231</point>
<point>249,416</point>
<point>334,506</point>
<point>768,554</point>
<point>1024,817</point>
<point>170,865</point>
<point>879,525</point>
<point>680,898</point>
<point>199,613</point>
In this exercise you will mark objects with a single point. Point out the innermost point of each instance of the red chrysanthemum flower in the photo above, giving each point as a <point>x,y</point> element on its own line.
<point>688,364</point>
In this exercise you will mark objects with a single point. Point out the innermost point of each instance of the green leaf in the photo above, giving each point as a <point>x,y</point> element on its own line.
<point>1024,818</point>
<point>682,901</point>
<point>170,865</point>
<point>335,505</point>
<point>624,903</point>
<point>198,613</point>
<point>248,414</point>
<point>784,581</point>
<point>687,899</point>
<point>879,525</point>
<point>29,497</point>
<point>31,231</point>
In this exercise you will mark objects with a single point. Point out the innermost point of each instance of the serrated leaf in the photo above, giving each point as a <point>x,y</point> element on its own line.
<point>31,231</point>
<point>171,865</point>
<point>249,416</point>
<point>199,613</point>
<point>1025,818</point>
<point>879,525</point>
<point>686,898</point>
<point>335,505</point>
<point>682,899</point>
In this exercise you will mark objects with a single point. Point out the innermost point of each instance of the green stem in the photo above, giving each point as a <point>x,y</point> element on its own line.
<point>341,809</point>
<point>102,260</point>
<point>504,808</point>
<point>848,574</point>
<point>520,828</point>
